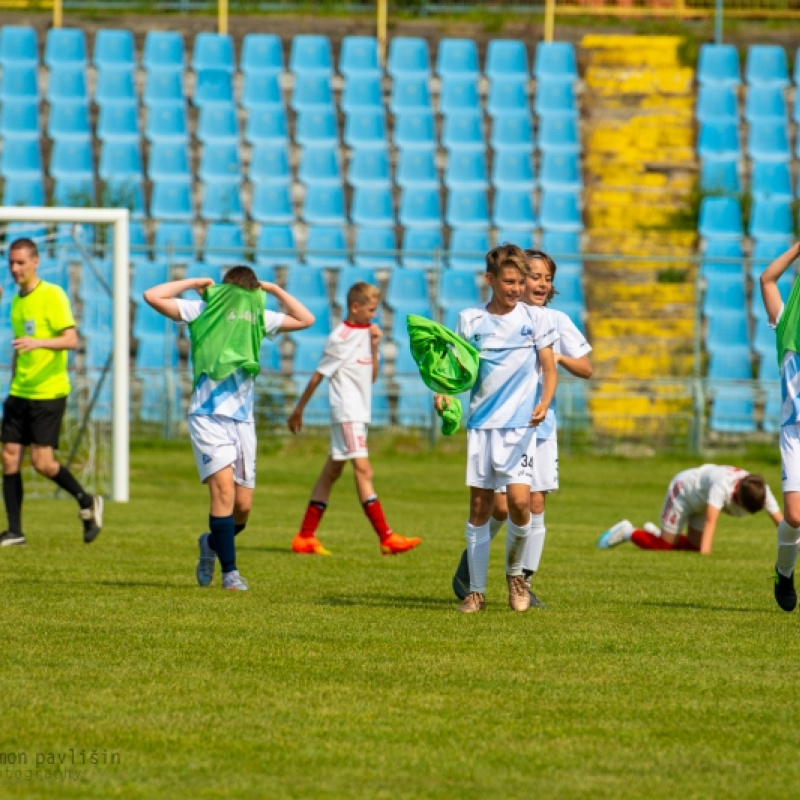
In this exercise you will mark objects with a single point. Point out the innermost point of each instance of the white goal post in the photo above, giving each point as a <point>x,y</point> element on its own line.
<point>119,219</point>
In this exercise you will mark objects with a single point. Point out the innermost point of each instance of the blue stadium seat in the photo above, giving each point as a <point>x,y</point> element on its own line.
<point>457,290</point>
<point>718,63</point>
<point>19,84</point>
<point>312,93</point>
<point>137,237</point>
<point>721,249</point>
<point>570,289</point>
<point>719,140</point>
<point>266,126</point>
<point>467,208</point>
<point>115,87</point>
<point>261,90</point>
<point>261,53</point>
<point>522,238</point>
<point>359,57</point>
<point>362,94</point>
<point>408,58</point>
<point>464,131</point>
<point>375,248</point>
<point>307,355</point>
<point>415,131</point>
<point>201,269</point>
<point>71,159</point>
<point>163,51</point>
<point>457,58</point>
<point>720,217</point>
<point>768,141</point>
<point>22,158</point>
<point>324,205</point>
<point>224,243</point>
<point>771,219</point>
<point>213,87</point>
<point>512,133</point>
<point>157,352</point>
<point>506,59</point>
<point>508,97</point>
<point>316,129</point>
<point>720,177</point>
<point>27,230</point>
<point>732,411</point>
<point>555,61</point>
<point>366,130</point>
<point>404,364</point>
<point>420,208</point>
<point>560,171</point>
<point>406,288</point>
<point>398,331</point>
<point>727,329</point>
<point>167,124</point>
<point>726,295</point>
<point>560,211</point>
<point>466,169</point>
<point>66,85</point>
<point>766,65</point>
<point>272,204</point>
<point>555,98</point>
<point>218,125</point>
<point>417,169</point>
<point>422,248</point>
<point>765,251</point>
<point>270,164</point>
<point>319,166</point>
<point>19,46</point>
<point>559,135</point>
<point>326,247</point>
<point>369,168</point>
<point>717,103</point>
<point>513,170</point>
<point>414,404</point>
<point>513,209</point>
<point>220,162</point>
<point>764,341</point>
<point>19,119</point>
<point>171,200</point>
<point>276,247</point>
<point>168,162</point>
<point>161,397</point>
<point>458,96</point>
<point>732,364</point>
<point>410,95</point>
<point>114,50</point>
<point>765,103</point>
<point>213,51</point>
<point>65,47</point>
<point>118,124</point>
<point>147,273</point>
<point>74,192</point>
<point>468,248</point>
<point>24,192</point>
<point>311,55</point>
<point>176,240</point>
<point>372,206</point>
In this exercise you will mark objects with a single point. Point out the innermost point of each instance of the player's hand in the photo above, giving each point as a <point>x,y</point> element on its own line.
<point>25,344</point>
<point>201,284</point>
<point>295,421</point>
<point>538,414</point>
<point>375,334</point>
<point>441,402</point>
<point>268,287</point>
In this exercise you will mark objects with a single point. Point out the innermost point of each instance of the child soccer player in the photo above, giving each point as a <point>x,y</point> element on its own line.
<point>350,362</point>
<point>513,340</point>
<point>786,321</point>
<point>226,327</point>
<point>695,498</point>
<point>571,352</point>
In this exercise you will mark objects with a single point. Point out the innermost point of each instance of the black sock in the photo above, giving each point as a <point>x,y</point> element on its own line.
<point>527,574</point>
<point>222,533</point>
<point>237,529</point>
<point>69,483</point>
<point>12,495</point>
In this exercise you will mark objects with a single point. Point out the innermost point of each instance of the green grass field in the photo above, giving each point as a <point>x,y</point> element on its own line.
<point>649,675</point>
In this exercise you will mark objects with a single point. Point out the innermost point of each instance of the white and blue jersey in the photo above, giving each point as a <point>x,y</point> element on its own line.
<point>790,383</point>
<point>233,397</point>
<point>503,395</point>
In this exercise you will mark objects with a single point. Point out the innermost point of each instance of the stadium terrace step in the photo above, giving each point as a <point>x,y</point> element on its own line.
<point>644,243</point>
<point>613,81</point>
<point>652,293</point>
<point>615,328</point>
<point>632,51</point>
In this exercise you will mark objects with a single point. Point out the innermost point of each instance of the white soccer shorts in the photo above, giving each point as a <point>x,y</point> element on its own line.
<point>676,515</point>
<point>790,458</point>
<point>500,457</point>
<point>348,441</point>
<point>545,465</point>
<point>220,442</point>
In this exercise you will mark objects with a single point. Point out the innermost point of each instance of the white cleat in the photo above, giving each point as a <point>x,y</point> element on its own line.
<point>616,534</point>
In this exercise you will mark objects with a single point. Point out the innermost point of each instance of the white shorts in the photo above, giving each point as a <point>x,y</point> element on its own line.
<point>676,515</point>
<point>545,465</point>
<point>790,458</point>
<point>220,442</point>
<point>348,441</point>
<point>500,457</point>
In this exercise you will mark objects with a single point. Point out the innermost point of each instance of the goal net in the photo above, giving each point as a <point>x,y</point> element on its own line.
<point>86,251</point>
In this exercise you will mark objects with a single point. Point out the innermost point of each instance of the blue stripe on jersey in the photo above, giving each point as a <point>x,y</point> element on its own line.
<point>790,389</point>
<point>518,382</point>
<point>232,397</point>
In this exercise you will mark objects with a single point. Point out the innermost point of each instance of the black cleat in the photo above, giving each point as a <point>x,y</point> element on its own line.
<point>535,601</point>
<point>10,539</point>
<point>92,519</point>
<point>785,594</point>
<point>461,578</point>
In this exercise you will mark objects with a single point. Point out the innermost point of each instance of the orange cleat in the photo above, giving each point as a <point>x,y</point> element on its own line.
<point>394,543</point>
<point>308,546</point>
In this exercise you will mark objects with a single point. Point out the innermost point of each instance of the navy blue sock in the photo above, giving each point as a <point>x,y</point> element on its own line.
<point>222,532</point>
<point>237,529</point>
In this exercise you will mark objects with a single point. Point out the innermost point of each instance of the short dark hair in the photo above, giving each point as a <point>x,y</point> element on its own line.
<point>244,277</point>
<point>507,255</point>
<point>752,493</point>
<point>540,255</point>
<point>29,244</point>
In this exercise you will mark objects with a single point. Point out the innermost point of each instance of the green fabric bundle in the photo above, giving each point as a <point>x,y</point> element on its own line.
<point>788,329</point>
<point>447,365</point>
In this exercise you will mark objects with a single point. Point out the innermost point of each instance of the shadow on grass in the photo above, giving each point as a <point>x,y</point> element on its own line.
<point>281,551</point>
<point>387,601</point>
<point>702,607</point>
<point>116,584</point>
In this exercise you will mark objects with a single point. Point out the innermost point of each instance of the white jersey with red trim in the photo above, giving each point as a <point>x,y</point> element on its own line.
<point>347,363</point>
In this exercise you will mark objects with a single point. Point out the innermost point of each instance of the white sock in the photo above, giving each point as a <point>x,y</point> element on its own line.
<point>534,544</point>
<point>788,539</point>
<point>495,526</point>
<point>478,542</point>
<point>515,546</point>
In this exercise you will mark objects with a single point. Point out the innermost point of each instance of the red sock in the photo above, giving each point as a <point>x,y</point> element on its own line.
<point>649,541</point>
<point>683,543</point>
<point>374,512</point>
<point>311,520</point>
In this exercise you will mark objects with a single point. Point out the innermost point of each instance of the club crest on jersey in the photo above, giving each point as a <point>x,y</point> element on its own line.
<point>526,331</point>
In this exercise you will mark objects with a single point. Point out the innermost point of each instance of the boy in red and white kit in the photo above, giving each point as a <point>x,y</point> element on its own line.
<point>695,499</point>
<point>350,362</point>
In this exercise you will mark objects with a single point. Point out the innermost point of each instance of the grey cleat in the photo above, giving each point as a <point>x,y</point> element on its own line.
<point>234,582</point>
<point>206,561</point>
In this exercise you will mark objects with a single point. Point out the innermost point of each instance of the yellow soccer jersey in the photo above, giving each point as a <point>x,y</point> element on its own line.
<point>43,314</point>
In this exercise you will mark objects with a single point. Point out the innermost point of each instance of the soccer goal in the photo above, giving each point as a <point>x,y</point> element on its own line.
<point>57,231</point>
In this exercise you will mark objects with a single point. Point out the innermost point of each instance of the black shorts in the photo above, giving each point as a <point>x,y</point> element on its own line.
<point>32,421</point>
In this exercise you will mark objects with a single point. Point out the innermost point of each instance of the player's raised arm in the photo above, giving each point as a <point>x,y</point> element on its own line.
<point>162,297</point>
<point>773,302</point>
<point>549,384</point>
<point>580,367</point>
<point>298,317</point>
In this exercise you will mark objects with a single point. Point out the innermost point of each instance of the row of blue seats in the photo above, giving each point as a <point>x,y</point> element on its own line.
<point>728,329</point>
<point>310,54</point>
<point>729,295</point>
<point>766,64</point>
<point>763,103</point>
<point>733,411</point>
<point>768,179</point>
<point>721,218</point>
<point>724,258</point>
<point>767,140</point>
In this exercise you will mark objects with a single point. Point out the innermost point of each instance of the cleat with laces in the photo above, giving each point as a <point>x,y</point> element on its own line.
<point>785,594</point>
<point>206,561</point>
<point>92,518</point>
<point>473,602</point>
<point>11,539</point>
<point>394,543</point>
<point>308,546</point>
<point>234,582</point>
<point>519,597</point>
<point>616,534</point>
<point>461,578</point>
